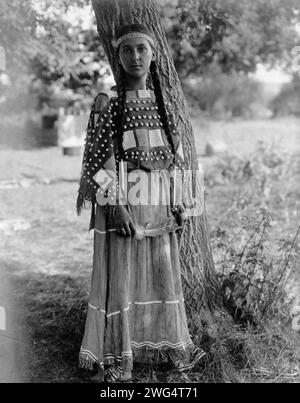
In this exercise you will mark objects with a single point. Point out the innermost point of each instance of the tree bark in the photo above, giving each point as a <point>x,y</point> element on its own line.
<point>199,278</point>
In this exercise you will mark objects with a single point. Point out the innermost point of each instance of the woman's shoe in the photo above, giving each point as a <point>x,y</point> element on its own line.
<point>126,376</point>
<point>113,374</point>
<point>99,377</point>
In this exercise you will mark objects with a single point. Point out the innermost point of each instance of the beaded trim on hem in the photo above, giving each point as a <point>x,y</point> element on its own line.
<point>183,360</point>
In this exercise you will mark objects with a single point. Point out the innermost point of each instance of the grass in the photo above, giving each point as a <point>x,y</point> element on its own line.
<point>253,215</point>
<point>241,136</point>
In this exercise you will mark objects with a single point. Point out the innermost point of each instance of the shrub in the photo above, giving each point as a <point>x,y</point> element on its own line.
<point>224,95</point>
<point>287,102</point>
<point>255,242</point>
<point>253,263</point>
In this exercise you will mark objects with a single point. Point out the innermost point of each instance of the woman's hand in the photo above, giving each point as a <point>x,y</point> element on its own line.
<point>122,221</point>
<point>180,215</point>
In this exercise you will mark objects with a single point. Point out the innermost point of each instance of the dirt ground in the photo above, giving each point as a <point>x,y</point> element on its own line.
<point>46,250</point>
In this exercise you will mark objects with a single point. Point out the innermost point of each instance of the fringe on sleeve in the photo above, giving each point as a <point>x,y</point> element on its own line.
<point>98,152</point>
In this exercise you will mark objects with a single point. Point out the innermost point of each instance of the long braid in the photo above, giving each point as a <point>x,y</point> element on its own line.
<point>161,105</point>
<point>164,118</point>
<point>120,117</point>
<point>149,82</point>
<point>118,120</point>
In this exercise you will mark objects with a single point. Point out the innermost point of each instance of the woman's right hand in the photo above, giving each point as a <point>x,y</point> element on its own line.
<point>123,222</point>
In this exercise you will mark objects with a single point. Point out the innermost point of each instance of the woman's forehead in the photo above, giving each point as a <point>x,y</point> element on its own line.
<point>133,42</point>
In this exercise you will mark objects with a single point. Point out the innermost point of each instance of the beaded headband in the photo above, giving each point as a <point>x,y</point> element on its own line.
<point>117,42</point>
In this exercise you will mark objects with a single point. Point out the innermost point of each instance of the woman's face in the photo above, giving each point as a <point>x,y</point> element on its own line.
<point>135,56</point>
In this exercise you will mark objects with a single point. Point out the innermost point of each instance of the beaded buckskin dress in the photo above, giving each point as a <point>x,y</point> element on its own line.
<point>136,310</point>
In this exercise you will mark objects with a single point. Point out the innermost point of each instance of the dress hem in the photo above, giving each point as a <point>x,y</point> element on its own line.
<point>183,359</point>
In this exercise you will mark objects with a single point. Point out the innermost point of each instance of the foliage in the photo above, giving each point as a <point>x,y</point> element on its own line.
<point>76,75</point>
<point>253,268</point>
<point>18,25</point>
<point>49,54</point>
<point>235,35</point>
<point>256,259</point>
<point>224,95</point>
<point>43,47</point>
<point>31,27</point>
<point>287,102</point>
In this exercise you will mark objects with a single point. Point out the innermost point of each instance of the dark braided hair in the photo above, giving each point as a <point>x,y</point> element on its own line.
<point>149,84</point>
<point>119,118</point>
<point>161,105</point>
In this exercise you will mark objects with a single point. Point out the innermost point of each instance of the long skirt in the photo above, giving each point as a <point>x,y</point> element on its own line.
<point>136,310</point>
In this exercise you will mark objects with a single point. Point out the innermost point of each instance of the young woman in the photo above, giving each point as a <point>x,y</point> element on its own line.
<point>136,310</point>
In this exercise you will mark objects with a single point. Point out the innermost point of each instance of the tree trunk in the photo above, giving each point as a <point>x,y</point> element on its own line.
<point>202,292</point>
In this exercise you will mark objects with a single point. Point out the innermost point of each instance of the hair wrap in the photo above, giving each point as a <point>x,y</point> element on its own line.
<point>132,31</point>
<point>133,35</point>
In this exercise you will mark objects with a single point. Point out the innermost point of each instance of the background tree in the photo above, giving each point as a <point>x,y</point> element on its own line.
<point>47,54</point>
<point>29,28</point>
<point>233,35</point>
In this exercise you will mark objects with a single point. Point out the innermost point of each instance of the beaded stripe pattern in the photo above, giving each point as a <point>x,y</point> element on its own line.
<point>144,140</point>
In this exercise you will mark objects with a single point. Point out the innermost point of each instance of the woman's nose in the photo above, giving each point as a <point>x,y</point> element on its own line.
<point>135,55</point>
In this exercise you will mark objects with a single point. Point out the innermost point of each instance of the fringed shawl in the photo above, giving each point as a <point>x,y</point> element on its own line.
<point>98,152</point>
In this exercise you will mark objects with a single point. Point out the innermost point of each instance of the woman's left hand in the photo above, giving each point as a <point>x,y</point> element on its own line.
<point>180,215</point>
<point>181,219</point>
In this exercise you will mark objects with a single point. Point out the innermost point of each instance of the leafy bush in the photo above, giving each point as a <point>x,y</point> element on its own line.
<point>287,102</point>
<point>253,263</point>
<point>255,242</point>
<point>225,95</point>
